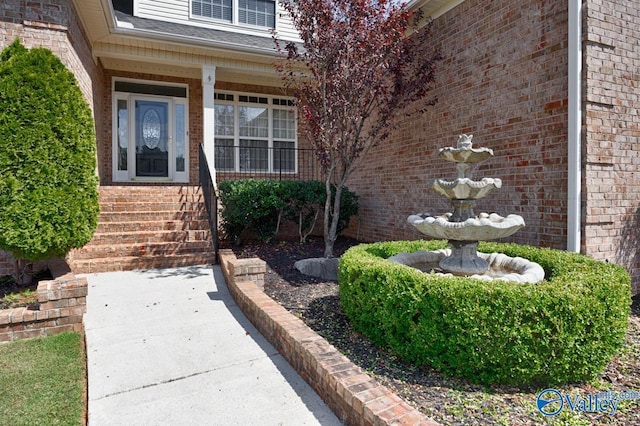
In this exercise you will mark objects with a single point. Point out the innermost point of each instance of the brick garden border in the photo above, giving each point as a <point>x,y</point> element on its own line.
<point>354,396</point>
<point>62,300</point>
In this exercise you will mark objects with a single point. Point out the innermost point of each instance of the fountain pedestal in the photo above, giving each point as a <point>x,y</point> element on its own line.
<point>464,259</point>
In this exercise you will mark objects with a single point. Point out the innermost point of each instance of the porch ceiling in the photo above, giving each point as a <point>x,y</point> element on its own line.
<point>230,75</point>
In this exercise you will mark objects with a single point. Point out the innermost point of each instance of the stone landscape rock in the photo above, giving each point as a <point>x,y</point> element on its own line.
<point>319,267</point>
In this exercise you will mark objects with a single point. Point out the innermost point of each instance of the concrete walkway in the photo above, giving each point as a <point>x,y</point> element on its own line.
<point>170,347</point>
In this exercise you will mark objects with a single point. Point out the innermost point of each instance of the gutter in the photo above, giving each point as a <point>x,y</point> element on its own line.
<point>574,195</point>
<point>192,41</point>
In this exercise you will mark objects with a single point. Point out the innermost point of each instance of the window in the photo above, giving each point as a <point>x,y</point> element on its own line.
<point>261,13</point>
<point>257,12</point>
<point>254,134</point>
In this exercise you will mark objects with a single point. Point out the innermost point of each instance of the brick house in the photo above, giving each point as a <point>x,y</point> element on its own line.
<point>551,86</point>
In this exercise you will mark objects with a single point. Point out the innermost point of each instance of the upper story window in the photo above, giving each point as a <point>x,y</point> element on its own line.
<point>260,13</point>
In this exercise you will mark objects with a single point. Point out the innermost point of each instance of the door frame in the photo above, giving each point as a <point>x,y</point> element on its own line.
<point>125,170</point>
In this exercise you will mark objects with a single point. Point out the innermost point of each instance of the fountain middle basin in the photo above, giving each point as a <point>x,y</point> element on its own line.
<point>480,228</point>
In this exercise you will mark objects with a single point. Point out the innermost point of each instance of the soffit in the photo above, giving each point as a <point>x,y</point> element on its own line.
<point>433,8</point>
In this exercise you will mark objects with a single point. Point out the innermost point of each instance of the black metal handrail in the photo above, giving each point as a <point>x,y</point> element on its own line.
<point>243,162</point>
<point>210,199</point>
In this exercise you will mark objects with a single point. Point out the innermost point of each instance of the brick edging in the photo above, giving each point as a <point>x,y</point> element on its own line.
<point>63,302</point>
<point>354,396</point>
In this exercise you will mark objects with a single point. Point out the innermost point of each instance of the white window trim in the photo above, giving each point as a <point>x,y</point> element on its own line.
<point>129,174</point>
<point>236,103</point>
<point>235,23</point>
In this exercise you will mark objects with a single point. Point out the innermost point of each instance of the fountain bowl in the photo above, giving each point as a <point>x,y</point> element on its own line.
<point>480,228</point>
<point>465,188</point>
<point>501,266</point>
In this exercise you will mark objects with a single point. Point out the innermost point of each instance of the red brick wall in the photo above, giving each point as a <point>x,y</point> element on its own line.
<point>504,80</point>
<point>612,154</point>
<point>54,25</point>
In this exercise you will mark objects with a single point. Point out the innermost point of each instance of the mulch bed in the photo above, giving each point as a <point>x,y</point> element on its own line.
<point>13,295</point>
<point>445,399</point>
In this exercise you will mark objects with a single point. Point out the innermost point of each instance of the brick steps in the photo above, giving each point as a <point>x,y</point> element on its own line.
<point>150,216</point>
<point>146,206</point>
<point>151,236</point>
<point>163,225</point>
<point>142,262</point>
<point>141,249</point>
<point>143,227</point>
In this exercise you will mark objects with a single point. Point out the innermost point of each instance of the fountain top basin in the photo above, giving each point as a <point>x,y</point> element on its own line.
<point>464,152</point>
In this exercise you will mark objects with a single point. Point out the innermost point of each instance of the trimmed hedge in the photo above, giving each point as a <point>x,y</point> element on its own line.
<point>561,330</point>
<point>261,205</point>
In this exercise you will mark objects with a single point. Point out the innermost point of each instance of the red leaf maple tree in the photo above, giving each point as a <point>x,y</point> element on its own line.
<point>359,64</point>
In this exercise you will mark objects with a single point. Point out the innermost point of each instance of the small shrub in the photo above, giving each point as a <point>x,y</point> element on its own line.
<point>561,330</point>
<point>261,205</point>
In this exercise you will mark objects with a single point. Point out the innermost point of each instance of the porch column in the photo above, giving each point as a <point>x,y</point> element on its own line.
<point>208,117</point>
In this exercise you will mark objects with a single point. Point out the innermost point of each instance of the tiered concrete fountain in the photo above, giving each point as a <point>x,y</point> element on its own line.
<point>464,229</point>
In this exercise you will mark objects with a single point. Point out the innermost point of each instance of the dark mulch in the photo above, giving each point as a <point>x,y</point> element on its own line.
<point>13,295</point>
<point>445,399</point>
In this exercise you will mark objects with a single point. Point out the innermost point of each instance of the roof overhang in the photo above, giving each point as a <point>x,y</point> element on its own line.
<point>433,8</point>
<point>120,46</point>
<point>127,44</point>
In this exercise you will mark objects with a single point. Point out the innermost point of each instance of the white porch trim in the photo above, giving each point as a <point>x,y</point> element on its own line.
<point>208,117</point>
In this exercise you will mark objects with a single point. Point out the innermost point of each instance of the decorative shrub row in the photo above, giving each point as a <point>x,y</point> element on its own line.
<point>261,205</point>
<point>561,330</point>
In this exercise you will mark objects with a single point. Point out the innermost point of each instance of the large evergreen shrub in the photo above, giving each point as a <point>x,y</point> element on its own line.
<point>561,330</point>
<point>48,182</point>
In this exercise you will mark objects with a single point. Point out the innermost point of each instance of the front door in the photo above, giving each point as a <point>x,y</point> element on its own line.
<point>152,138</point>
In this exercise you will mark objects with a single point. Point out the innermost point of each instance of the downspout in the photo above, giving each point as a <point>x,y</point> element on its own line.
<point>574,159</point>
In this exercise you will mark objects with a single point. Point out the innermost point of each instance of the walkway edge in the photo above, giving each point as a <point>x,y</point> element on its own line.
<point>354,396</point>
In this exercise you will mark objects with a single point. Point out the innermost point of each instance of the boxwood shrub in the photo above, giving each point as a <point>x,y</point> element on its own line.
<point>261,205</point>
<point>564,329</point>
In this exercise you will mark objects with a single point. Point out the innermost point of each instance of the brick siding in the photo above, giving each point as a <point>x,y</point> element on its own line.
<point>504,80</point>
<point>611,165</point>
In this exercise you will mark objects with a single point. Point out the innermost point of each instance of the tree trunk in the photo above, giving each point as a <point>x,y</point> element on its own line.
<point>24,272</point>
<point>331,219</point>
<point>328,242</point>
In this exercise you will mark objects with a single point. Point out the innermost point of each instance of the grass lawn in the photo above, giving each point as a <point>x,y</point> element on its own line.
<point>43,381</point>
